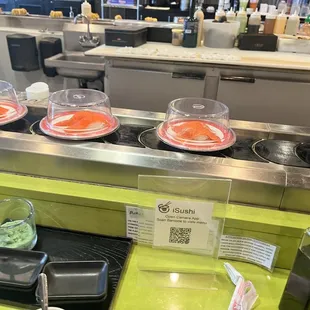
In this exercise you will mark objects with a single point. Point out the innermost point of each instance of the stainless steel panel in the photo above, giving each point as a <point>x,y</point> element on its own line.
<point>77,65</point>
<point>166,85</point>
<point>260,184</point>
<point>266,100</point>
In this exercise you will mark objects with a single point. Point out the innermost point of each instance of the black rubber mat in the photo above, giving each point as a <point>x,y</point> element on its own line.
<point>63,245</point>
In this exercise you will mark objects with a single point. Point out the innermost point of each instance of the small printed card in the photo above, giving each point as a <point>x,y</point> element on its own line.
<point>183,224</point>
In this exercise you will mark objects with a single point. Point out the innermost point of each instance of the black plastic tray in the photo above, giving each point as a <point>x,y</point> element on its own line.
<point>77,281</point>
<point>65,245</point>
<point>19,268</point>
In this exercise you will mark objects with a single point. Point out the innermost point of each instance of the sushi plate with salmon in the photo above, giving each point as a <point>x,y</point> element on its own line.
<point>79,125</point>
<point>11,112</point>
<point>196,135</point>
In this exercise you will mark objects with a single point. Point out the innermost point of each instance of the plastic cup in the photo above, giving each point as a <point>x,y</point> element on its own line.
<point>17,224</point>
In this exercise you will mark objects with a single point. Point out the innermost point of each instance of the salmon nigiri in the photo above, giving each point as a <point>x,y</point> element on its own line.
<point>195,130</point>
<point>83,120</point>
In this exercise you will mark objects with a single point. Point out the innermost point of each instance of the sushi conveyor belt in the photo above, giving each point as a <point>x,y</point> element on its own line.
<point>270,159</point>
<point>282,152</point>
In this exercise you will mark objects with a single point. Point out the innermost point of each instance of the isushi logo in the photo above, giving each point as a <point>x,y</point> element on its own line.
<point>164,208</point>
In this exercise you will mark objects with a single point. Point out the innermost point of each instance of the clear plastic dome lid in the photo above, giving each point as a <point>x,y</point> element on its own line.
<point>197,124</point>
<point>79,114</point>
<point>10,109</point>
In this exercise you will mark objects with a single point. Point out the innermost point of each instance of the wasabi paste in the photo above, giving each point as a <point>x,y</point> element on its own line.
<point>19,237</point>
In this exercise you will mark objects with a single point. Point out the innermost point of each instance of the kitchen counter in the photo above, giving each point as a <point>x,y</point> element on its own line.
<point>232,57</point>
<point>137,290</point>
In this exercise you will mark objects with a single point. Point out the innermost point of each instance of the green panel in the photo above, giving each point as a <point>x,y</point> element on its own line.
<point>109,198</point>
<point>100,209</point>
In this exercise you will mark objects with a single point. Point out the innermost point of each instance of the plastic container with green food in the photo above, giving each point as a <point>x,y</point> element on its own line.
<point>17,224</point>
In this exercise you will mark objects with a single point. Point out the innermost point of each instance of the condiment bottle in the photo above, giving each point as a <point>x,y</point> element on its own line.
<point>177,37</point>
<point>292,25</point>
<point>230,15</point>
<point>243,19</point>
<point>184,5</point>
<point>243,4</point>
<point>190,28</point>
<point>71,13</point>
<point>280,24</point>
<point>86,9</point>
<point>253,4</point>
<point>305,28</point>
<point>304,10</point>
<point>254,22</point>
<point>282,6</point>
<point>270,21</point>
<point>219,14</point>
<point>200,16</point>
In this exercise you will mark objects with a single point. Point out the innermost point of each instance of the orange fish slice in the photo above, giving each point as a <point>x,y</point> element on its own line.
<point>80,115</point>
<point>3,111</point>
<point>76,116</point>
<point>194,130</point>
<point>80,125</point>
<point>87,121</point>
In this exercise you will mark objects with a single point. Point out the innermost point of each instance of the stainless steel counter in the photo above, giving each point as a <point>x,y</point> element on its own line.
<point>255,183</point>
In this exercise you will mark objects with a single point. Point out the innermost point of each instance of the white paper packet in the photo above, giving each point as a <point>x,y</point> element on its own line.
<point>245,295</point>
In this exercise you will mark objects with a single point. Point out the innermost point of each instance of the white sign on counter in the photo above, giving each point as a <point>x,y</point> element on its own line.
<point>248,249</point>
<point>182,224</point>
<point>139,224</point>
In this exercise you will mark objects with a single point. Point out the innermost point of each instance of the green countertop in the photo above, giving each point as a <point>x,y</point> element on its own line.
<point>149,290</point>
<point>100,209</point>
<point>140,290</point>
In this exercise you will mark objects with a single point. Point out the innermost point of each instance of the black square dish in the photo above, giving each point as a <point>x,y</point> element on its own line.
<point>19,268</point>
<point>77,280</point>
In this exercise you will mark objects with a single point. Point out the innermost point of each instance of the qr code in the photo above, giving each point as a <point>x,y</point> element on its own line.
<point>180,235</point>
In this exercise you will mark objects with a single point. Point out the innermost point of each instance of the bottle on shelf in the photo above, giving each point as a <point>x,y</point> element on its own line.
<point>184,5</point>
<point>200,16</point>
<point>296,6</point>
<point>292,25</point>
<point>288,6</point>
<point>280,23</point>
<point>71,13</point>
<point>243,4</point>
<point>243,19</point>
<point>304,10</point>
<point>253,4</point>
<point>219,14</point>
<point>190,28</point>
<point>282,6</point>
<point>227,5</point>
<point>305,28</point>
<point>230,15</point>
<point>235,5</point>
<point>85,9</point>
<point>254,22</point>
<point>270,21</point>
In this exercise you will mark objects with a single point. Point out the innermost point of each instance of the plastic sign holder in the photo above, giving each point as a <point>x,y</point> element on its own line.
<point>179,237</point>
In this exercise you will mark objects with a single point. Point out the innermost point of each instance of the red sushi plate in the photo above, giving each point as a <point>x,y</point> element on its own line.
<point>227,136</point>
<point>60,133</point>
<point>14,113</point>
